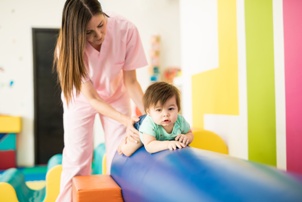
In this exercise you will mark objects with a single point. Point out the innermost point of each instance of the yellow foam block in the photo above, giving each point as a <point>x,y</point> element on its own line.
<point>7,193</point>
<point>10,124</point>
<point>104,164</point>
<point>95,188</point>
<point>208,140</point>
<point>36,185</point>
<point>53,178</point>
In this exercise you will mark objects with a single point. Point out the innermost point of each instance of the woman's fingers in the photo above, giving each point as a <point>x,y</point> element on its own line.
<point>133,138</point>
<point>133,135</point>
<point>134,119</point>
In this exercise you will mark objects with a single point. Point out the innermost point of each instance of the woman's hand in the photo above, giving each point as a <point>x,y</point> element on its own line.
<point>132,134</point>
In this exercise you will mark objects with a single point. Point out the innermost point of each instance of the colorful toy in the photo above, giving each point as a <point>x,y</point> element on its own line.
<point>13,187</point>
<point>155,58</point>
<point>10,124</point>
<point>7,159</point>
<point>95,188</point>
<point>53,177</point>
<point>7,150</point>
<point>9,127</point>
<point>15,179</point>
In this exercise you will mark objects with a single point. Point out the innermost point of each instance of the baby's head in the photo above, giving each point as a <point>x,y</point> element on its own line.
<point>159,93</point>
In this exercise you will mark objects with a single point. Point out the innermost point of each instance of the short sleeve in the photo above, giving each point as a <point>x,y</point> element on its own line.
<point>148,127</point>
<point>135,55</point>
<point>185,126</point>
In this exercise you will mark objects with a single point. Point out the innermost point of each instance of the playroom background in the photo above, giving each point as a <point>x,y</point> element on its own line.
<point>239,61</point>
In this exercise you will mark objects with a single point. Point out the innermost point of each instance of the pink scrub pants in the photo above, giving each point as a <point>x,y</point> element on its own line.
<point>78,140</point>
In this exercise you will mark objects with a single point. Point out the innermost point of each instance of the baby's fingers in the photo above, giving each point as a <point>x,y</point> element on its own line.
<point>180,138</point>
<point>171,146</point>
<point>185,141</point>
<point>181,145</point>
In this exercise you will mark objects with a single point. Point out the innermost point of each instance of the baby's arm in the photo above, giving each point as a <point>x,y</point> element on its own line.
<point>128,147</point>
<point>185,138</point>
<point>152,145</point>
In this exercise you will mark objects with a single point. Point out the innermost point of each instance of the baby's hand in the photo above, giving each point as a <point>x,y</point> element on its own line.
<point>183,139</point>
<point>173,145</point>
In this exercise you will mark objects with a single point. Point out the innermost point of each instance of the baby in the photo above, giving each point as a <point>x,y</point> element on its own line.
<point>162,127</point>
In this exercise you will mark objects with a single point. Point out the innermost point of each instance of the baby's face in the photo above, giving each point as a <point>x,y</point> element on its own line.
<point>166,114</point>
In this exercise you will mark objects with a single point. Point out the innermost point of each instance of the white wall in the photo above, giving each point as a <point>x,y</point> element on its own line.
<point>199,41</point>
<point>17,18</point>
<point>199,45</point>
<point>199,53</point>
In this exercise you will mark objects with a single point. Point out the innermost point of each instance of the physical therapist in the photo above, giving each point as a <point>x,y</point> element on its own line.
<point>96,58</point>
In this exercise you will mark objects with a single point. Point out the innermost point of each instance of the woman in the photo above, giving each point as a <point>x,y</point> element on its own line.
<point>96,60</point>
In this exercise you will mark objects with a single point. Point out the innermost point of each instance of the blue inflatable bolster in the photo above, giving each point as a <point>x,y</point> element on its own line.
<point>196,175</point>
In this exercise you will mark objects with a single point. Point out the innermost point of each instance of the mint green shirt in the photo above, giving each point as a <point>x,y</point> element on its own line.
<point>181,126</point>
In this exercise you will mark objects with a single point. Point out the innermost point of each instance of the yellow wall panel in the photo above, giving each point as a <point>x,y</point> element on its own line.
<point>216,91</point>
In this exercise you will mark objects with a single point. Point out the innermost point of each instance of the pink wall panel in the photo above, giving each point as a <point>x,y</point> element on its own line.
<point>293,82</point>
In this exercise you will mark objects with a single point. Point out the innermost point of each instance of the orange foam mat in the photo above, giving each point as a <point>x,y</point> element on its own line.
<point>95,188</point>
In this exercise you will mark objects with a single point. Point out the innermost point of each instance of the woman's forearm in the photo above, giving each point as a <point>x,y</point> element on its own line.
<point>101,106</point>
<point>134,89</point>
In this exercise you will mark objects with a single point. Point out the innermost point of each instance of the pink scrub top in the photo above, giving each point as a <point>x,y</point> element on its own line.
<point>121,50</point>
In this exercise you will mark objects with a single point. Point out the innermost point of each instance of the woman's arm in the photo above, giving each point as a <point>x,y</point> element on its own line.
<point>134,89</point>
<point>152,145</point>
<point>102,107</point>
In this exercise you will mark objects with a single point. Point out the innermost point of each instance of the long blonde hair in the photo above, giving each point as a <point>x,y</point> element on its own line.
<point>69,53</point>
